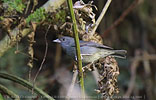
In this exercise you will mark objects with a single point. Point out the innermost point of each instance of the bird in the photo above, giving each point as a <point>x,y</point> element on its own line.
<point>90,51</point>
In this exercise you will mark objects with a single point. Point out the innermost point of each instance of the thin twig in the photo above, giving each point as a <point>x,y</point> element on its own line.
<point>35,2</point>
<point>57,56</point>
<point>20,52</point>
<point>44,58</point>
<point>101,16</point>
<point>29,75</point>
<point>26,10</point>
<point>77,45</point>
<point>121,18</point>
<point>133,67</point>
<point>96,74</point>
<point>72,85</point>
<point>148,80</point>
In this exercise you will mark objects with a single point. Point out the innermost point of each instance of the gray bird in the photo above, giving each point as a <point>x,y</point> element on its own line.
<point>90,51</point>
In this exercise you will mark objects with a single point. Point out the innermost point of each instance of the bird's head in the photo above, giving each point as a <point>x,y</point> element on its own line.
<point>65,41</point>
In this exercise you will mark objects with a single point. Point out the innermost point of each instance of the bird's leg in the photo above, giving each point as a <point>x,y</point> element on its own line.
<point>92,66</point>
<point>89,67</point>
<point>80,55</point>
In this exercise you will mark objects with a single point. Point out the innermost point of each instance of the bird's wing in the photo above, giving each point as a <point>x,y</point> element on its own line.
<point>92,44</point>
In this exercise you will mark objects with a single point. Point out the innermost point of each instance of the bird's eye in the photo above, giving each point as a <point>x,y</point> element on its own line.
<point>63,39</point>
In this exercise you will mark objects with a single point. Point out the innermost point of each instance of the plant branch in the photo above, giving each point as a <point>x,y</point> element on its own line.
<point>44,58</point>
<point>133,67</point>
<point>137,59</point>
<point>101,16</point>
<point>76,37</point>
<point>10,93</point>
<point>121,18</point>
<point>6,43</point>
<point>72,84</point>
<point>25,84</point>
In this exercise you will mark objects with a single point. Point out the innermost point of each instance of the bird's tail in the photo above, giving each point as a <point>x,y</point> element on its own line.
<point>120,53</point>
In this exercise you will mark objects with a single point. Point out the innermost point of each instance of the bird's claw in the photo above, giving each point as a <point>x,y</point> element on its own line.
<point>76,57</point>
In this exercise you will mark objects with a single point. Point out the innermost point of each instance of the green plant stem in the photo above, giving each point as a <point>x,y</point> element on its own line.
<point>12,95</point>
<point>76,37</point>
<point>25,84</point>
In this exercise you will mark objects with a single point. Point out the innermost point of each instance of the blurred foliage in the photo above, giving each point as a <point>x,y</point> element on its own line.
<point>37,16</point>
<point>14,5</point>
<point>60,16</point>
<point>14,63</point>
<point>90,85</point>
<point>1,97</point>
<point>57,18</point>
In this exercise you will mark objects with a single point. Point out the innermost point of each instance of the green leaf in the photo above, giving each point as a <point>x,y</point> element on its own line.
<point>1,97</point>
<point>38,16</point>
<point>15,5</point>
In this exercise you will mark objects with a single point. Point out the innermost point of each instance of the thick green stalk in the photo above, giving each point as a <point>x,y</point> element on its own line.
<point>76,37</point>
<point>9,93</point>
<point>25,84</point>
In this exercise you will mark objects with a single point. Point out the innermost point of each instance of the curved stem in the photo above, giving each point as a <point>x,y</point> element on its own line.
<point>25,84</point>
<point>12,95</point>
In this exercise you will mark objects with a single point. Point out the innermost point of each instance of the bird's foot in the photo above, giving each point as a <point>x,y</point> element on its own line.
<point>77,59</point>
<point>89,67</point>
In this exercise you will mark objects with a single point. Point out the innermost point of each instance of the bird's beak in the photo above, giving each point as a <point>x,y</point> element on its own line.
<point>57,40</point>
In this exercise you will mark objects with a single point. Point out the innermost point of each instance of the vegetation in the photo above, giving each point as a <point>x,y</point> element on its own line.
<point>32,66</point>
